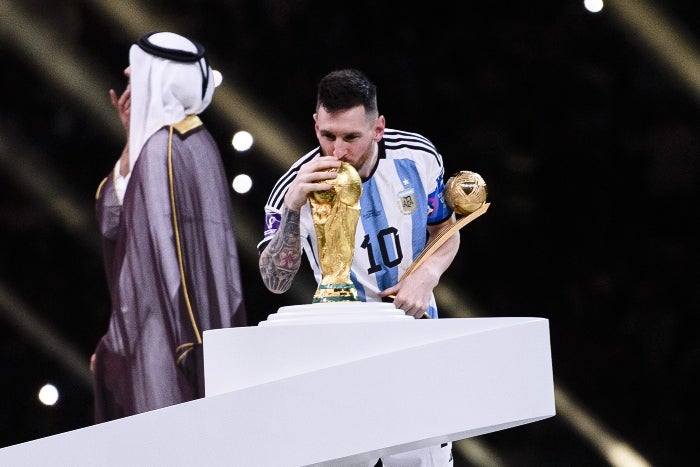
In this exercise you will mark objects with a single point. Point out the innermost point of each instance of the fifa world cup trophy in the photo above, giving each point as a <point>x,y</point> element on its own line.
<point>335,214</point>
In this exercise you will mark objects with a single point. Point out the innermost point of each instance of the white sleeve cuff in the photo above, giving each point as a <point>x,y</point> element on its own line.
<point>120,182</point>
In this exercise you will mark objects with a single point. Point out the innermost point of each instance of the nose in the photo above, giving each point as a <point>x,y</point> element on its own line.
<point>340,149</point>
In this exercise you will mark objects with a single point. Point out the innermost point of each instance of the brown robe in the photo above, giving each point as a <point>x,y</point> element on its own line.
<point>156,318</point>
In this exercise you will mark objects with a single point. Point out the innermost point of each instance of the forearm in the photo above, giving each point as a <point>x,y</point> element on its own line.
<point>108,208</point>
<point>441,259</point>
<point>434,265</point>
<point>280,260</point>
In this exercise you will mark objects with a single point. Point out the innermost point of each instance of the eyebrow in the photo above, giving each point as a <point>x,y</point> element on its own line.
<point>345,135</point>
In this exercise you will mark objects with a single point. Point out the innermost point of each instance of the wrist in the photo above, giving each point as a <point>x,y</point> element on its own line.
<point>290,207</point>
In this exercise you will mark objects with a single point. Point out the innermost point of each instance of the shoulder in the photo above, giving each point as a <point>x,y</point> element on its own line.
<point>276,198</point>
<point>400,143</point>
<point>187,124</point>
<point>396,136</point>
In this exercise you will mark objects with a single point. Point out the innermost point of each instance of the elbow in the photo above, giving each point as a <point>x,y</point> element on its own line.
<point>275,287</point>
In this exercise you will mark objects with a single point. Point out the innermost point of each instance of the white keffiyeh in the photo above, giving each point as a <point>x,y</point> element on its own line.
<point>163,90</point>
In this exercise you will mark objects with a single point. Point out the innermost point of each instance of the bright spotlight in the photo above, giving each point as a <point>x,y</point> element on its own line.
<point>242,141</point>
<point>242,183</point>
<point>218,77</point>
<point>594,6</point>
<point>48,394</point>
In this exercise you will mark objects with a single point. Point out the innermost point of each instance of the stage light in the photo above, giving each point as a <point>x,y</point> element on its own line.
<point>594,6</point>
<point>242,183</point>
<point>48,394</point>
<point>242,141</point>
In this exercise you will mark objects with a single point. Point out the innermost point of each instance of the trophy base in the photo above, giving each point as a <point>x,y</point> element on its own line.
<point>331,293</point>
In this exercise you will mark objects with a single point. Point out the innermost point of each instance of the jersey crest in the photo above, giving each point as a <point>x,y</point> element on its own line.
<point>407,201</point>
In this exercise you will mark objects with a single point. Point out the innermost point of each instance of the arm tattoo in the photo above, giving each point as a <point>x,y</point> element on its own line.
<point>280,260</point>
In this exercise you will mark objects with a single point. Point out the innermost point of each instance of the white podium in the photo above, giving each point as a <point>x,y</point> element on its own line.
<point>328,393</point>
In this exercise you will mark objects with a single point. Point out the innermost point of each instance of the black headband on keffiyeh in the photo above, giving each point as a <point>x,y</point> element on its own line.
<point>178,55</point>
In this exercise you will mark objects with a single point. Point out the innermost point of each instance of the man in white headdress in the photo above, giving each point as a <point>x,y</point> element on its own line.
<point>166,223</point>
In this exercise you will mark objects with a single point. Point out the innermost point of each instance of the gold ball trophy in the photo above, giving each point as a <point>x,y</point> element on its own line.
<point>335,214</point>
<point>465,193</point>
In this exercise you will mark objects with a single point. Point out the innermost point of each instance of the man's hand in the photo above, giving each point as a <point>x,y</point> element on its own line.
<point>310,178</point>
<point>412,294</point>
<point>123,105</point>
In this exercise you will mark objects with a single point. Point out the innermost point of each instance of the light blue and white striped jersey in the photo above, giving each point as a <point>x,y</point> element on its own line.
<point>402,196</point>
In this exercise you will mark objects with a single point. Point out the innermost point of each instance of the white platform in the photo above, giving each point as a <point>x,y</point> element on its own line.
<point>326,393</point>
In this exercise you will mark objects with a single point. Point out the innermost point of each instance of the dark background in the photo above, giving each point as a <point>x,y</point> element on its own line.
<point>588,140</point>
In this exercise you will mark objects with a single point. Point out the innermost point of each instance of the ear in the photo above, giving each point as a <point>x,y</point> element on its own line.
<point>316,123</point>
<point>379,127</point>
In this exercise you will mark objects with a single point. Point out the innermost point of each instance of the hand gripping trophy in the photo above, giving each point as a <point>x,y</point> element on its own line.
<point>335,214</point>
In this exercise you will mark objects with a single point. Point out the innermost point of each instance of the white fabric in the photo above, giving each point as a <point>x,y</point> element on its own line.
<point>120,182</point>
<point>163,91</point>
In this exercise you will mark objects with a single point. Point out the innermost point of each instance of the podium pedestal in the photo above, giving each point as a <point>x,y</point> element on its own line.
<point>328,394</point>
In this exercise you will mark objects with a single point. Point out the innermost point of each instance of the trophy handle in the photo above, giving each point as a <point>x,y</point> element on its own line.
<point>442,238</point>
<point>438,241</point>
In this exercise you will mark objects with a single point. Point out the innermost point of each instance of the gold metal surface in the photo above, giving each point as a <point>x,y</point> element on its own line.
<point>465,192</point>
<point>335,214</point>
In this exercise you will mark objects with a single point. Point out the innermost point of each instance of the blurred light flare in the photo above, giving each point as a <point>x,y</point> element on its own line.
<point>242,141</point>
<point>48,394</point>
<point>242,183</point>
<point>218,78</point>
<point>594,6</point>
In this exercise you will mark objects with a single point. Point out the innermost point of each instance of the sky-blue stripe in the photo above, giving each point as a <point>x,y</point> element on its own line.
<point>373,221</point>
<point>406,169</point>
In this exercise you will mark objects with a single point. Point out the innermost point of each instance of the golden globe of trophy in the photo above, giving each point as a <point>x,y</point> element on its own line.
<point>335,214</point>
<point>465,192</point>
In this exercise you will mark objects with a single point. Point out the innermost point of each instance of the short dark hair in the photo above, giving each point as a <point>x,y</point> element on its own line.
<point>345,89</point>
